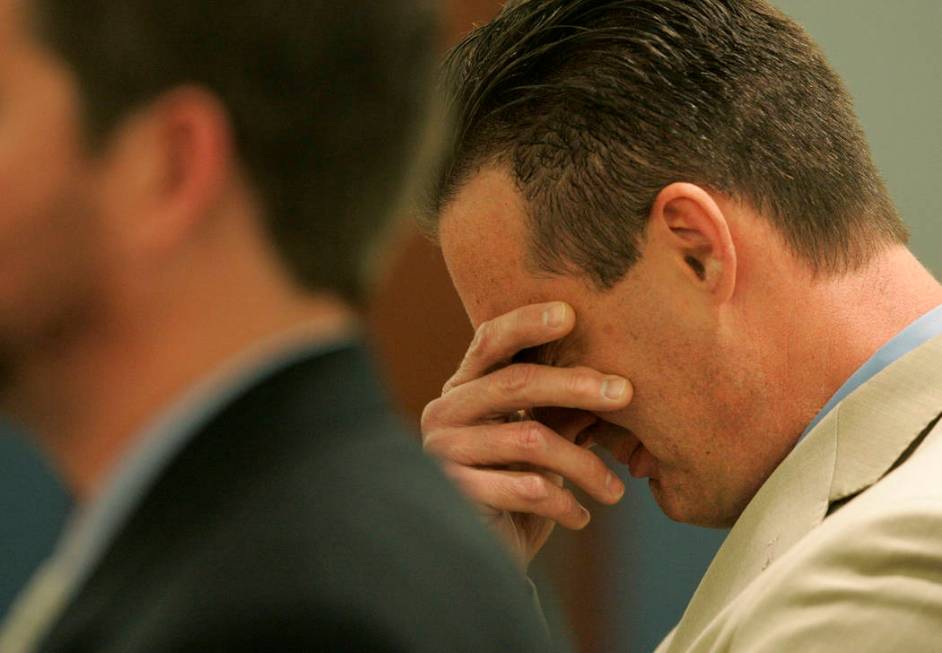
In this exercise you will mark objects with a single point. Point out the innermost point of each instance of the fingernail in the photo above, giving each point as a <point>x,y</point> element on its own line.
<point>614,486</point>
<point>554,316</point>
<point>614,388</point>
<point>586,517</point>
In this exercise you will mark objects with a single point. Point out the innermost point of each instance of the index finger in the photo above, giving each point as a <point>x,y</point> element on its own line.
<point>497,341</point>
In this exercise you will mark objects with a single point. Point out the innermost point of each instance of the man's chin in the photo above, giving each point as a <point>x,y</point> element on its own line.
<point>683,509</point>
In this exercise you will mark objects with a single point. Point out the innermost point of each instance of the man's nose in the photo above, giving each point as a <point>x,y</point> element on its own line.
<point>570,423</point>
<point>578,428</point>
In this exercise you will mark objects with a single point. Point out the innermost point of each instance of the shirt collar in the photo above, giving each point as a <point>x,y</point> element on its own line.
<point>922,330</point>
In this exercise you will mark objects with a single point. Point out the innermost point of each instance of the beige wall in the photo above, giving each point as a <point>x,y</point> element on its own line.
<point>890,54</point>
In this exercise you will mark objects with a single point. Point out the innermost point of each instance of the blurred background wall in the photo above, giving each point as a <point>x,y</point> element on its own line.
<point>623,583</point>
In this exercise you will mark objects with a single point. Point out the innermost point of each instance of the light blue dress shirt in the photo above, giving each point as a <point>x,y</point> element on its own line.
<point>922,330</point>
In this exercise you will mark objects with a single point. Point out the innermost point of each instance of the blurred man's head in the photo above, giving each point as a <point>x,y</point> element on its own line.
<point>183,183</point>
<point>135,133</point>
<point>677,171</point>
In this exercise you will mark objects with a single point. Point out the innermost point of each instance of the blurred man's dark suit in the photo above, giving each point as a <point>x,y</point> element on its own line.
<point>302,517</point>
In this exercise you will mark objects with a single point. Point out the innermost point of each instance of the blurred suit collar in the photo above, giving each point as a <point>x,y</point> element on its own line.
<point>92,528</point>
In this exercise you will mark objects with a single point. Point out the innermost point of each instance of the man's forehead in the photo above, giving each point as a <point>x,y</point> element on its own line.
<point>9,18</point>
<point>483,236</point>
<point>17,29</point>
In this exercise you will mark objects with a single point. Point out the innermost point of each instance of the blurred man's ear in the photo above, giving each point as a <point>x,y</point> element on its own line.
<point>689,226</point>
<point>167,168</point>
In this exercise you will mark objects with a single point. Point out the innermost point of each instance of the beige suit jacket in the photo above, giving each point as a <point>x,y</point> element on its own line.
<point>841,549</point>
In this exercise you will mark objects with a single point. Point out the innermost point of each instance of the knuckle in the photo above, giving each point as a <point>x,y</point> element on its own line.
<point>432,444</point>
<point>430,417</point>
<point>581,382</point>
<point>483,340</point>
<point>455,472</point>
<point>565,503</point>
<point>450,384</point>
<point>448,446</point>
<point>515,378</point>
<point>532,487</point>
<point>531,436</point>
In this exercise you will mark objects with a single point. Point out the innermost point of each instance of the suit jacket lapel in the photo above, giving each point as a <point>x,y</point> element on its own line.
<point>848,451</point>
<point>883,417</point>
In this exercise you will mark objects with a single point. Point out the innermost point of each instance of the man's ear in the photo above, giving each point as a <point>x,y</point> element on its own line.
<point>168,167</point>
<point>692,228</point>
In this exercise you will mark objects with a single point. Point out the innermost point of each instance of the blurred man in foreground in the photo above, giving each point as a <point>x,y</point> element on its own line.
<point>186,193</point>
<point>664,222</point>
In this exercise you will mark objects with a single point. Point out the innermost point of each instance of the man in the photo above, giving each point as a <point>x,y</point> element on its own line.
<point>187,192</point>
<point>664,221</point>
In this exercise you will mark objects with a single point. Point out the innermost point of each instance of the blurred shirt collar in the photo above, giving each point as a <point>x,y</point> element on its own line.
<point>922,330</point>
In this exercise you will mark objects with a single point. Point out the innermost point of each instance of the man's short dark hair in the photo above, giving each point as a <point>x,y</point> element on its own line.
<point>597,105</point>
<point>326,99</point>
